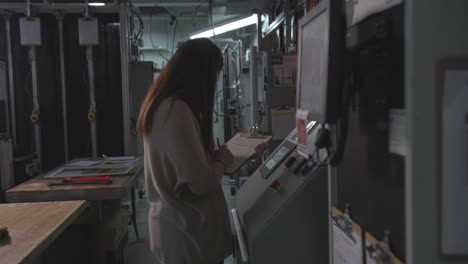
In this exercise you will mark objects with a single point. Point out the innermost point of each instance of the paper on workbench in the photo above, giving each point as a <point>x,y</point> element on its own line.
<point>102,167</point>
<point>126,158</point>
<point>83,163</point>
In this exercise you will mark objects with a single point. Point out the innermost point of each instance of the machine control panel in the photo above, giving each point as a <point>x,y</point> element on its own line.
<point>290,162</point>
<point>301,164</point>
<point>277,158</point>
<point>308,167</point>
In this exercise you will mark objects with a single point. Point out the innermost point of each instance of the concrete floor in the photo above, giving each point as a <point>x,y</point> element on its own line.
<point>138,252</point>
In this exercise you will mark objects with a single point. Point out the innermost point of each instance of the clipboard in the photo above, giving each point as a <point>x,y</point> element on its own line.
<point>347,239</point>
<point>242,146</point>
<point>378,252</point>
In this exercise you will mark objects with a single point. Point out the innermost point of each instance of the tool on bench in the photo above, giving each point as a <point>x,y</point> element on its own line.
<point>3,232</point>
<point>83,180</point>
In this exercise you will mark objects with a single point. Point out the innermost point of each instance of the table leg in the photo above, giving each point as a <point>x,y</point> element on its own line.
<point>135,227</point>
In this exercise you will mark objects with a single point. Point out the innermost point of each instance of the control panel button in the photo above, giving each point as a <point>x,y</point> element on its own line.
<point>298,168</point>
<point>290,162</point>
<point>306,169</point>
<point>277,187</point>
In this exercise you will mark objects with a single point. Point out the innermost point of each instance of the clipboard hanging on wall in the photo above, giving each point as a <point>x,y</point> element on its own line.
<point>348,246</point>
<point>379,252</point>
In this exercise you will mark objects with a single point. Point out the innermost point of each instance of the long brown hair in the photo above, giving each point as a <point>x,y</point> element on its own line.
<point>190,75</point>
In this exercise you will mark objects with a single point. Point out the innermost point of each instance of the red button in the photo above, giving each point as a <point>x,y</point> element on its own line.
<point>276,185</point>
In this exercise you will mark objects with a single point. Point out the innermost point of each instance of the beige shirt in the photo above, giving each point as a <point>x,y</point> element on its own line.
<point>188,217</point>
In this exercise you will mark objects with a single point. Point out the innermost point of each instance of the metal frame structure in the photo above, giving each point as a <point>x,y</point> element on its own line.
<point>11,85</point>
<point>125,62</point>
<point>92,100</point>
<point>254,116</point>
<point>35,115</point>
<point>63,84</point>
<point>53,8</point>
<point>59,10</point>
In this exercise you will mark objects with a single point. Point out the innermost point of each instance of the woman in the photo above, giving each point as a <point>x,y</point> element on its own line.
<point>188,217</point>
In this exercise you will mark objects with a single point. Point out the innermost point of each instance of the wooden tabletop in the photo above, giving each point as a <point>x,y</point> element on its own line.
<point>38,190</point>
<point>33,227</point>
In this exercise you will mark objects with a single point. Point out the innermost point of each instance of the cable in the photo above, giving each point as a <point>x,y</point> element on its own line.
<point>26,80</point>
<point>136,38</point>
<point>342,125</point>
<point>211,17</point>
<point>174,35</point>
<point>164,57</point>
<point>142,27</point>
<point>150,30</point>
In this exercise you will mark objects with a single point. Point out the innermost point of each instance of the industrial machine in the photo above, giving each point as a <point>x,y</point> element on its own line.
<point>229,98</point>
<point>281,211</point>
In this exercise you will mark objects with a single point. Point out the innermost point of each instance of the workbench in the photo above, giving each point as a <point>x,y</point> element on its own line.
<point>34,226</point>
<point>38,190</point>
<point>101,197</point>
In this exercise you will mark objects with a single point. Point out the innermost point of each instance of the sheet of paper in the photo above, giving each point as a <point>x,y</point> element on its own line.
<point>87,172</point>
<point>84,163</point>
<point>34,184</point>
<point>122,158</point>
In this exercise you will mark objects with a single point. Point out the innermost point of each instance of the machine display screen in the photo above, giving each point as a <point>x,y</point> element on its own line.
<point>277,157</point>
<point>313,71</point>
<point>270,164</point>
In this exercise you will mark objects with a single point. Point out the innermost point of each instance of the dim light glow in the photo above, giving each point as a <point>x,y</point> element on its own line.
<point>96,4</point>
<point>253,19</point>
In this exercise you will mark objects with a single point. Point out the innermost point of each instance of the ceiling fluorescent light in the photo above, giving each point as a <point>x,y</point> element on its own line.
<point>96,4</point>
<point>227,27</point>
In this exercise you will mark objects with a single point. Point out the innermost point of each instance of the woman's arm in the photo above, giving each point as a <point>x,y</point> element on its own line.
<point>187,153</point>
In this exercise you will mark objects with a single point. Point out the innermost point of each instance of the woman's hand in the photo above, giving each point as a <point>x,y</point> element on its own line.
<point>223,155</point>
